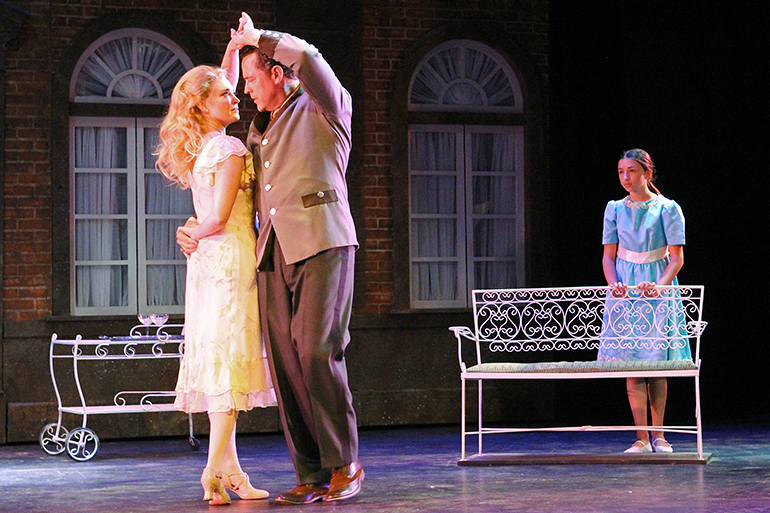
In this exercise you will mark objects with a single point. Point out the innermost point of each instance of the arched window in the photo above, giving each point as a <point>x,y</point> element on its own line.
<point>464,76</point>
<point>128,66</point>
<point>123,214</point>
<point>466,177</point>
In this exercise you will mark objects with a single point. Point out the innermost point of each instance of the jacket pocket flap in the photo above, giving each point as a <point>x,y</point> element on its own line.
<point>319,198</point>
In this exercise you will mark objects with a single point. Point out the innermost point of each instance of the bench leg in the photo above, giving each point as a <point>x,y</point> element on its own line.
<point>698,424</point>
<point>480,426</point>
<point>462,427</point>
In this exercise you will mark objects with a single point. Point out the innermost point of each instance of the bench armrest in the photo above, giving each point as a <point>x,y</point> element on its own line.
<point>460,333</point>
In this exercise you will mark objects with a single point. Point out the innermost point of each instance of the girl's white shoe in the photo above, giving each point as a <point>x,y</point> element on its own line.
<point>661,445</point>
<point>639,447</point>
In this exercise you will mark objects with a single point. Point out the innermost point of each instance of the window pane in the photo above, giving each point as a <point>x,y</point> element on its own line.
<point>101,239</point>
<point>494,238</point>
<point>160,197</point>
<point>151,141</point>
<point>433,151</point>
<point>166,284</point>
<point>464,95</point>
<point>499,90</point>
<point>101,193</point>
<point>170,77</point>
<point>494,195</point>
<point>101,147</point>
<point>434,194</point>
<point>161,239</point>
<point>435,281</point>
<point>434,238</point>
<point>493,152</point>
<point>101,285</point>
<point>495,275</point>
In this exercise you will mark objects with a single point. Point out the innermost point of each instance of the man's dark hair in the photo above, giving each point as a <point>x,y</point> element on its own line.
<point>264,62</point>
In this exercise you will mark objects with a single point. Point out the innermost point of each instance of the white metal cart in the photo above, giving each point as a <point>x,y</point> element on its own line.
<point>81,443</point>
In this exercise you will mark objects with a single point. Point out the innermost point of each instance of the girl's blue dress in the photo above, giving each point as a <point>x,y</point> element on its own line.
<point>643,231</point>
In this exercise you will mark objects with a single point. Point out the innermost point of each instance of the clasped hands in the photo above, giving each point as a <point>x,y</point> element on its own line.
<point>246,34</point>
<point>184,237</point>
<point>646,288</point>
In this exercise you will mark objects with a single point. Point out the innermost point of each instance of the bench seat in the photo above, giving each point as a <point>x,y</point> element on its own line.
<point>591,366</point>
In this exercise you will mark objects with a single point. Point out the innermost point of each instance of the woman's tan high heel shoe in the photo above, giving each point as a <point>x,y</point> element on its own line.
<point>239,483</point>
<point>213,491</point>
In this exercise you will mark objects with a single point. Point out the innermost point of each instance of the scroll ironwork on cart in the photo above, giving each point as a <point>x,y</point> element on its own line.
<point>143,343</point>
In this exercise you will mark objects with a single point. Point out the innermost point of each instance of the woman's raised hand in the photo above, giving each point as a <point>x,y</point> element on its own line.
<point>246,34</point>
<point>244,23</point>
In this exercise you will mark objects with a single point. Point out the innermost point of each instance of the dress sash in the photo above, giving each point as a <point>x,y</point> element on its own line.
<point>644,257</point>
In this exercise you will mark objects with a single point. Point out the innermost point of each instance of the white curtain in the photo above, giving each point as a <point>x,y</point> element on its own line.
<point>462,76</point>
<point>102,229</point>
<point>165,282</point>
<point>101,194</point>
<point>439,211</point>
<point>494,209</point>
<point>434,189</point>
<point>152,75</point>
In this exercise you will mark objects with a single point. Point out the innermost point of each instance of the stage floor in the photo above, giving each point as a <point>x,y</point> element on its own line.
<point>407,470</point>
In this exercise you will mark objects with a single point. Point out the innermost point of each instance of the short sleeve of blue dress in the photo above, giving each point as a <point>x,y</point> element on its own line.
<point>639,229</point>
<point>673,223</point>
<point>610,232</point>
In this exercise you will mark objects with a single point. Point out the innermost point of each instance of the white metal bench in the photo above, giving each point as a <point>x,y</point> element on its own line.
<point>511,322</point>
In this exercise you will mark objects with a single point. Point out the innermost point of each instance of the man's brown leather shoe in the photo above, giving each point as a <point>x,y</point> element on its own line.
<point>303,494</point>
<point>346,482</point>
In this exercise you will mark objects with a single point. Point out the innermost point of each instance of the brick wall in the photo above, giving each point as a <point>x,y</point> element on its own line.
<point>389,29</point>
<point>27,216</point>
<point>31,60</point>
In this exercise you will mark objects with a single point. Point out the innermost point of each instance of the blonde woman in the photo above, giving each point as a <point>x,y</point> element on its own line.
<point>224,370</point>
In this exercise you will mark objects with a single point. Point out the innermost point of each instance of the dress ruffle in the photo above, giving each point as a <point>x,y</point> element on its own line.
<point>199,402</point>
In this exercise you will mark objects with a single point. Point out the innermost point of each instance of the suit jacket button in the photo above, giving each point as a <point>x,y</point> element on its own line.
<point>272,211</point>
<point>268,187</point>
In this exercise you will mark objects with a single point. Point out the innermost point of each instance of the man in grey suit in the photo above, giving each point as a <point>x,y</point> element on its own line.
<point>305,252</point>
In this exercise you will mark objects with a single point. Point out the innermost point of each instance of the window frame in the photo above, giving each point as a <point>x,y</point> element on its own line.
<point>143,262</point>
<point>536,206</point>
<point>133,34</point>
<point>459,216</point>
<point>136,216</point>
<point>130,216</point>
<point>464,215</point>
<point>463,46</point>
<point>162,27</point>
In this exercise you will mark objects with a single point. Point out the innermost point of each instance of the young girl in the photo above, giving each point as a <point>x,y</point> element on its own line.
<point>224,370</point>
<point>643,246</point>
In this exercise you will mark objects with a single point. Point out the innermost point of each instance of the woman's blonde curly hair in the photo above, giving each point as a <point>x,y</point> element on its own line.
<point>184,126</point>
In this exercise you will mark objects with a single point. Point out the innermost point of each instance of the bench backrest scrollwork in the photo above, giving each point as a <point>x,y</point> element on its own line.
<point>580,318</point>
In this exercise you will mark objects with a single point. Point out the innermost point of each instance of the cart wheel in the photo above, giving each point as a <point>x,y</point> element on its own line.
<point>194,443</point>
<point>82,444</point>
<point>51,442</point>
